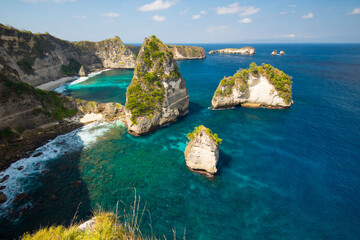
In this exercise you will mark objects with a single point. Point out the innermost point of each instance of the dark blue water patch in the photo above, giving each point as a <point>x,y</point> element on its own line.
<point>283,174</point>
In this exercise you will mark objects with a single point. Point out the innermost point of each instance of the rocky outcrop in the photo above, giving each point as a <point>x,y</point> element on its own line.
<point>82,72</point>
<point>202,152</point>
<point>242,51</point>
<point>157,94</point>
<point>282,53</point>
<point>41,58</point>
<point>181,52</point>
<point>274,52</point>
<point>259,86</point>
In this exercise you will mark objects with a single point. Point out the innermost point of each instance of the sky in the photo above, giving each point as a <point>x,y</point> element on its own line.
<point>189,21</point>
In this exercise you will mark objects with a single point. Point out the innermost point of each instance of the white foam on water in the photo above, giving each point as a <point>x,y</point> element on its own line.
<point>82,79</point>
<point>21,181</point>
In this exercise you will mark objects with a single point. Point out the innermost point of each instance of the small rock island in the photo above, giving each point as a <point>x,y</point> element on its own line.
<point>242,51</point>
<point>274,53</point>
<point>182,52</point>
<point>202,152</point>
<point>157,94</point>
<point>258,86</point>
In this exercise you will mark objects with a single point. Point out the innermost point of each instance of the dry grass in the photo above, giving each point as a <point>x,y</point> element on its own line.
<point>108,225</point>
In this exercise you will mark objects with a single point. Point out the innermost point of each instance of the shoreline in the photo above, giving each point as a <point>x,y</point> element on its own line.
<point>54,84</point>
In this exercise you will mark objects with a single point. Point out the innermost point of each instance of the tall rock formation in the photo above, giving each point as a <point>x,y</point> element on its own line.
<point>82,72</point>
<point>259,86</point>
<point>157,94</point>
<point>41,58</point>
<point>182,52</point>
<point>202,152</point>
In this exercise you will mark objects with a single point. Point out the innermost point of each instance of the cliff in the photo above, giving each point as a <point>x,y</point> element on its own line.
<point>242,51</point>
<point>181,52</point>
<point>41,58</point>
<point>157,94</point>
<point>202,152</point>
<point>258,86</point>
<point>30,117</point>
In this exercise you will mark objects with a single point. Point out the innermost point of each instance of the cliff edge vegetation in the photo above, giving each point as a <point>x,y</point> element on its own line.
<point>258,86</point>
<point>157,93</point>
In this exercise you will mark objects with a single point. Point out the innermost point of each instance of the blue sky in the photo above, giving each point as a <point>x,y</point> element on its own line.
<point>189,21</point>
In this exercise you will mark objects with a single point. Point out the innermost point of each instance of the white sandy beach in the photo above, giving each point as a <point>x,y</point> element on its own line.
<point>53,84</point>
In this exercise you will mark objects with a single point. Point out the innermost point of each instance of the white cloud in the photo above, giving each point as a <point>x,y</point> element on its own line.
<point>246,11</point>
<point>110,15</point>
<point>157,5</point>
<point>215,29</point>
<point>80,16</point>
<point>292,5</point>
<point>235,8</point>
<point>245,20</point>
<point>55,1</point>
<point>308,16</point>
<point>283,13</point>
<point>202,12</point>
<point>289,35</point>
<point>183,12</point>
<point>196,17</point>
<point>158,18</point>
<point>355,11</point>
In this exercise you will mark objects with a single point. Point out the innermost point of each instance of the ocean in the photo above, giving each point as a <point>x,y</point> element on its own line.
<point>283,174</point>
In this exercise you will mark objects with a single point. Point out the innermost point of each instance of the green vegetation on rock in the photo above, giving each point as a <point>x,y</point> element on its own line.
<point>71,69</point>
<point>227,83</point>
<point>281,81</point>
<point>145,95</point>
<point>199,128</point>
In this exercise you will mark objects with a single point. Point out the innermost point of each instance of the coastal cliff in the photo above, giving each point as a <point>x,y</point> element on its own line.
<point>202,152</point>
<point>41,58</point>
<point>242,51</point>
<point>258,86</point>
<point>157,94</point>
<point>181,52</point>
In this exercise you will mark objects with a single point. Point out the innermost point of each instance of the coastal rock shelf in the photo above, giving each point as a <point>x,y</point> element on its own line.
<point>258,86</point>
<point>181,52</point>
<point>157,94</point>
<point>242,51</point>
<point>202,152</point>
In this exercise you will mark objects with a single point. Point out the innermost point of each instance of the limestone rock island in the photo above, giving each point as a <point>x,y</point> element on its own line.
<point>157,94</point>
<point>242,51</point>
<point>274,53</point>
<point>202,152</point>
<point>282,53</point>
<point>258,86</point>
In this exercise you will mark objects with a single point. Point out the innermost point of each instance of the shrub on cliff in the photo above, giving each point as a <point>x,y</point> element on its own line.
<point>191,136</point>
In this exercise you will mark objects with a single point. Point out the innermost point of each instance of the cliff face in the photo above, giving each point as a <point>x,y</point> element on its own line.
<point>242,51</point>
<point>157,94</point>
<point>29,117</point>
<point>202,152</point>
<point>40,58</point>
<point>259,86</point>
<point>187,52</point>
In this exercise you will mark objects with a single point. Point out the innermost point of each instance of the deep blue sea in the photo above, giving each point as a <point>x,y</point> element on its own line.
<point>283,174</point>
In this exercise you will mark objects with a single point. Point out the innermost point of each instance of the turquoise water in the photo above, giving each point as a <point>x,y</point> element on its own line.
<point>283,174</point>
